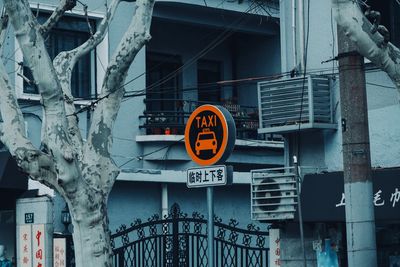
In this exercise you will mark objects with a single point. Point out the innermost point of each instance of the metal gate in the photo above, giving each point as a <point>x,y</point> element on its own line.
<point>181,241</point>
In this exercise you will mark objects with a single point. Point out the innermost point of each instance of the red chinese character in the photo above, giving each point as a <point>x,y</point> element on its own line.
<point>277,240</point>
<point>278,252</point>
<point>39,254</point>
<point>278,262</point>
<point>39,265</point>
<point>25,237</point>
<point>38,237</point>
<point>25,260</point>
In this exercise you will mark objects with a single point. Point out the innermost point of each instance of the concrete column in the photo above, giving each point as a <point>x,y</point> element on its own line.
<point>360,219</point>
<point>164,200</point>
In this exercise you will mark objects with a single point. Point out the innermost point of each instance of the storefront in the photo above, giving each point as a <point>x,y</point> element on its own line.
<point>323,206</point>
<point>12,185</point>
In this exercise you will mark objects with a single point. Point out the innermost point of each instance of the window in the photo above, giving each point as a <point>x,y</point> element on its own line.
<point>163,82</point>
<point>208,73</point>
<point>70,32</point>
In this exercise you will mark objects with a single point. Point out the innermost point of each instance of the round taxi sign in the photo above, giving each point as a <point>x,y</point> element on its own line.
<point>210,135</point>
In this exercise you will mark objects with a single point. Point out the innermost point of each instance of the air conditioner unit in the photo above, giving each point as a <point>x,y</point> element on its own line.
<point>290,105</point>
<point>273,194</point>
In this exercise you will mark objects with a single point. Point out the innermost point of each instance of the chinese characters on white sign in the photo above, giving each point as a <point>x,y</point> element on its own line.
<point>59,252</point>
<point>208,176</point>
<point>32,245</point>
<point>38,245</point>
<point>25,245</point>
<point>379,199</point>
<point>274,248</point>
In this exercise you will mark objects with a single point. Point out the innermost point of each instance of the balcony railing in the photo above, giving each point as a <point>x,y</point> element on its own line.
<point>168,116</point>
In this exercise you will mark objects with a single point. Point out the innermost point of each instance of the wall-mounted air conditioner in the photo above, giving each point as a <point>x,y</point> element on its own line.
<point>295,104</point>
<point>273,194</point>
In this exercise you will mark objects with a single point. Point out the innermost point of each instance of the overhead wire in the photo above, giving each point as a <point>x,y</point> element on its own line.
<point>305,55</point>
<point>141,157</point>
<point>225,34</point>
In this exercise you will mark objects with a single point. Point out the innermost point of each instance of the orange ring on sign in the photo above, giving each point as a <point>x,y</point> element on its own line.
<point>221,151</point>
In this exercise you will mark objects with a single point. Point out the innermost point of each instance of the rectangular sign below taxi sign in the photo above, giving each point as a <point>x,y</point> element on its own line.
<point>209,176</point>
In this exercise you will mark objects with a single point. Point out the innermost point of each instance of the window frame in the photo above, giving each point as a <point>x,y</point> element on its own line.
<point>101,54</point>
<point>165,59</point>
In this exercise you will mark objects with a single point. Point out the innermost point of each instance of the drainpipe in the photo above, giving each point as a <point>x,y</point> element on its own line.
<point>164,200</point>
<point>301,33</point>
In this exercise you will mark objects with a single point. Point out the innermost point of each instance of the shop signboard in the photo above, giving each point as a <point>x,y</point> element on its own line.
<point>323,197</point>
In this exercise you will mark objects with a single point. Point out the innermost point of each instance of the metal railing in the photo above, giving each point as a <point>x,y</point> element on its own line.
<point>168,116</point>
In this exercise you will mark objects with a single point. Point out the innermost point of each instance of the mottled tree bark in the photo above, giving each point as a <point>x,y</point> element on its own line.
<point>83,173</point>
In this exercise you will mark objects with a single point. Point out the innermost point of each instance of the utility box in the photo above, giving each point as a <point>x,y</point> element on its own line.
<point>295,104</point>
<point>34,232</point>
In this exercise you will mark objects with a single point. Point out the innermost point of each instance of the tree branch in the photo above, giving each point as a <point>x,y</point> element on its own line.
<point>32,45</point>
<point>64,64</point>
<point>368,39</point>
<point>32,161</point>
<point>3,30</point>
<point>58,13</point>
<point>100,134</point>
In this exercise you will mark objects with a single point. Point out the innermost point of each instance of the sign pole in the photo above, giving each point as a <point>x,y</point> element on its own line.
<point>210,225</point>
<point>210,135</point>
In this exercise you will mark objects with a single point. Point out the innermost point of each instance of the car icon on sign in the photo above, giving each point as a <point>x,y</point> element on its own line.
<point>206,141</point>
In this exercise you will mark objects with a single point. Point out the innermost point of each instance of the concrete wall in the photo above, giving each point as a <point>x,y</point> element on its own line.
<point>322,149</point>
<point>184,39</point>
<point>261,59</point>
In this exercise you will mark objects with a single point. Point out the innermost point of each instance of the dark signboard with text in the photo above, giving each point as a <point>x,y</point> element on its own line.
<point>323,197</point>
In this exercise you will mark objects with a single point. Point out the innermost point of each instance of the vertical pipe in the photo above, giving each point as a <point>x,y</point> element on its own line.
<point>303,246</point>
<point>164,200</point>
<point>301,33</point>
<point>210,225</point>
<point>360,218</point>
<point>294,34</point>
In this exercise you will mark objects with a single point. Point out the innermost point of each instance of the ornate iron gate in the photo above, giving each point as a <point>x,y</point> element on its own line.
<point>181,241</point>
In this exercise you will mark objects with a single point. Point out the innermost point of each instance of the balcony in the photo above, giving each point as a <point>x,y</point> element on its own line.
<point>170,118</point>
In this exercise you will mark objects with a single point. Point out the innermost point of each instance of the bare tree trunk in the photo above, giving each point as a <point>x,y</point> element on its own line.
<point>91,235</point>
<point>82,172</point>
<point>92,238</point>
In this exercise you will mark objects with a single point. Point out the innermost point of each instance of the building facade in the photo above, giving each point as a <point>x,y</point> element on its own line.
<point>201,52</point>
<point>313,132</point>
